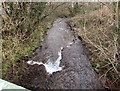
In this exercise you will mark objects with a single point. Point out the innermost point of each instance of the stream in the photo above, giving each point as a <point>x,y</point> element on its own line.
<point>60,62</point>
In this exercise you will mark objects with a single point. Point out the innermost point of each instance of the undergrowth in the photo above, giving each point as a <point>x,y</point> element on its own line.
<point>23,29</point>
<point>98,31</point>
<point>24,25</point>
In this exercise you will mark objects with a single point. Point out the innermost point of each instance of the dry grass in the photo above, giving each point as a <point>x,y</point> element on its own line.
<point>21,33</point>
<point>96,27</point>
<point>97,30</point>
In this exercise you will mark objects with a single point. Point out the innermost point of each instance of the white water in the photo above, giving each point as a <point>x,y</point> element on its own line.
<point>69,44</point>
<point>50,66</point>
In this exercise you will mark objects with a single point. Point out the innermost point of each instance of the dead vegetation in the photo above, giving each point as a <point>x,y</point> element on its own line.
<point>97,28</point>
<point>23,29</point>
<point>94,22</point>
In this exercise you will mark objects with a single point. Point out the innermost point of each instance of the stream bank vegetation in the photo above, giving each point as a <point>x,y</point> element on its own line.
<point>100,30</point>
<point>98,24</point>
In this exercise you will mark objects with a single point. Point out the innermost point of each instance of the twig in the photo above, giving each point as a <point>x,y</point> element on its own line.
<point>51,11</point>
<point>107,6</point>
<point>101,49</point>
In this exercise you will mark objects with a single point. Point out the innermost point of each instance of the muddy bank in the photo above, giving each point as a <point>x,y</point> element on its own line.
<point>59,63</point>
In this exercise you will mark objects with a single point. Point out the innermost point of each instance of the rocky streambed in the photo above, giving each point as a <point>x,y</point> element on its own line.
<point>59,63</point>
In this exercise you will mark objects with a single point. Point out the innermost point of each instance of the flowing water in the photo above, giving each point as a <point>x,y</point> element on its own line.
<point>59,63</point>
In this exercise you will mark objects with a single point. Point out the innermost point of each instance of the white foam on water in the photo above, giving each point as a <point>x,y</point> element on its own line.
<point>49,65</point>
<point>69,44</point>
<point>34,62</point>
